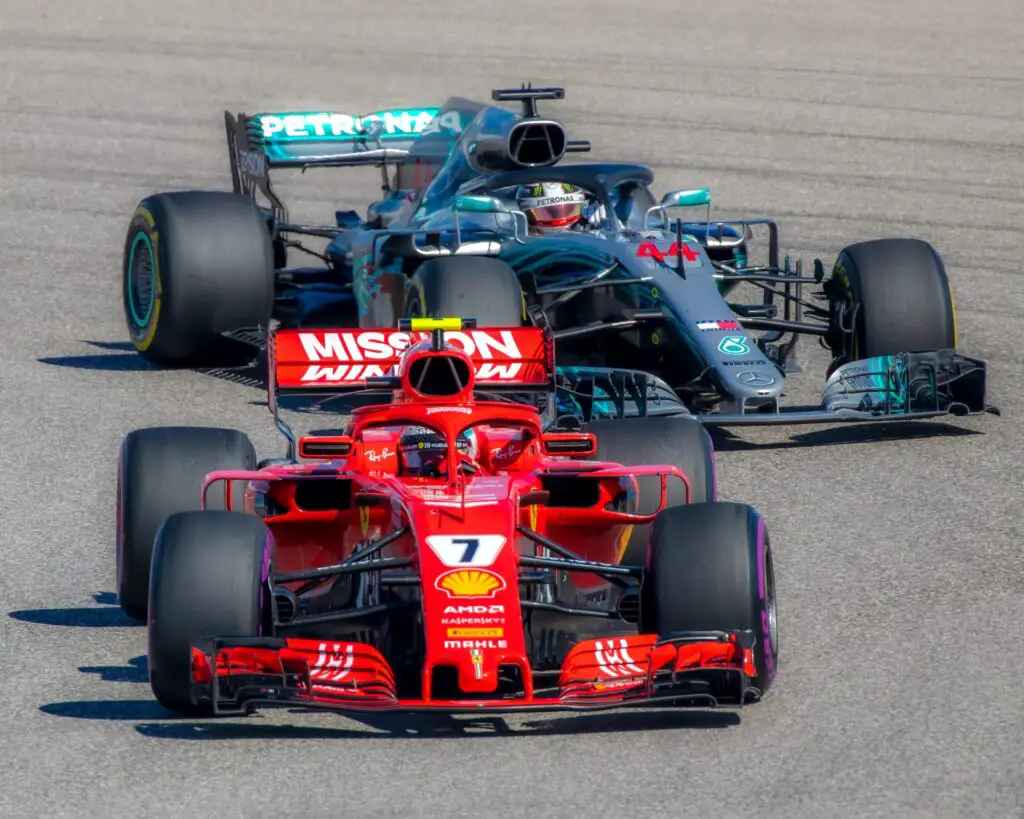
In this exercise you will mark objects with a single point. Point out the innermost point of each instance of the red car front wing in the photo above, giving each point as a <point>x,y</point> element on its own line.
<point>235,676</point>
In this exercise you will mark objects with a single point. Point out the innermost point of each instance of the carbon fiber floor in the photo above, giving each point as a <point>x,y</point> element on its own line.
<point>898,556</point>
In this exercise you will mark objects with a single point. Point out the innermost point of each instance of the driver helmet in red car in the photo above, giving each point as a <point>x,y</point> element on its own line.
<point>422,452</point>
<point>551,207</point>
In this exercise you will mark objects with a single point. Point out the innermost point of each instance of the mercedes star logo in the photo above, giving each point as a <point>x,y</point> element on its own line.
<point>752,379</point>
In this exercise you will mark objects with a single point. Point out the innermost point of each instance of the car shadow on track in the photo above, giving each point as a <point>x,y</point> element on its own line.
<point>396,726</point>
<point>121,357</point>
<point>870,433</point>
<point>135,671</point>
<point>108,615</point>
<point>115,362</point>
<point>155,722</point>
<point>158,723</point>
<point>107,710</point>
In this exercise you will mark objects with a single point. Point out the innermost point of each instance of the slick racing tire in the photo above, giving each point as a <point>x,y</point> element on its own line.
<point>209,574</point>
<point>674,441</point>
<point>160,472</point>
<point>710,568</point>
<point>196,264</point>
<point>467,287</point>
<point>902,297</point>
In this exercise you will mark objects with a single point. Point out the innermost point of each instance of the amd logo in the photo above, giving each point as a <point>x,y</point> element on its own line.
<point>495,609</point>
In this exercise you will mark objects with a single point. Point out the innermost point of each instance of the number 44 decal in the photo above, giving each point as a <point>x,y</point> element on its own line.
<point>466,550</point>
<point>675,249</point>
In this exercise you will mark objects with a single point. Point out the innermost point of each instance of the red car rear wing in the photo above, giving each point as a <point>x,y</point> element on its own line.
<point>342,361</point>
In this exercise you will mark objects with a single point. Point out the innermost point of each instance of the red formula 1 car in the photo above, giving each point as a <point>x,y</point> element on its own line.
<point>445,553</point>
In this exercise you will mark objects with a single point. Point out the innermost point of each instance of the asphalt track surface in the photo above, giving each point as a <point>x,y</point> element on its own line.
<point>898,551</point>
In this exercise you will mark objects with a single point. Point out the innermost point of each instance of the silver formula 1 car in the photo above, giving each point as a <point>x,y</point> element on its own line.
<point>639,299</point>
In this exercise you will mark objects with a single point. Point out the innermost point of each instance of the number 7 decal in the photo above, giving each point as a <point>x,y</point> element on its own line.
<point>471,544</point>
<point>466,550</point>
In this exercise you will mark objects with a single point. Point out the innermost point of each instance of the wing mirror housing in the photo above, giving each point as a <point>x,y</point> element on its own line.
<point>569,443</point>
<point>691,198</point>
<point>325,447</point>
<point>492,205</point>
<point>698,197</point>
<point>480,204</point>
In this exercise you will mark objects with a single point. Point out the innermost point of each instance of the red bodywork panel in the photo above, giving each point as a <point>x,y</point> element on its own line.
<point>461,533</point>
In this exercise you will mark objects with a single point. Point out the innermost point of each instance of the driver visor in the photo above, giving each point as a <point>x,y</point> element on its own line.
<point>556,215</point>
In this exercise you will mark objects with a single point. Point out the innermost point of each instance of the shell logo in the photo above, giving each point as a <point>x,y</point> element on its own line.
<point>470,583</point>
